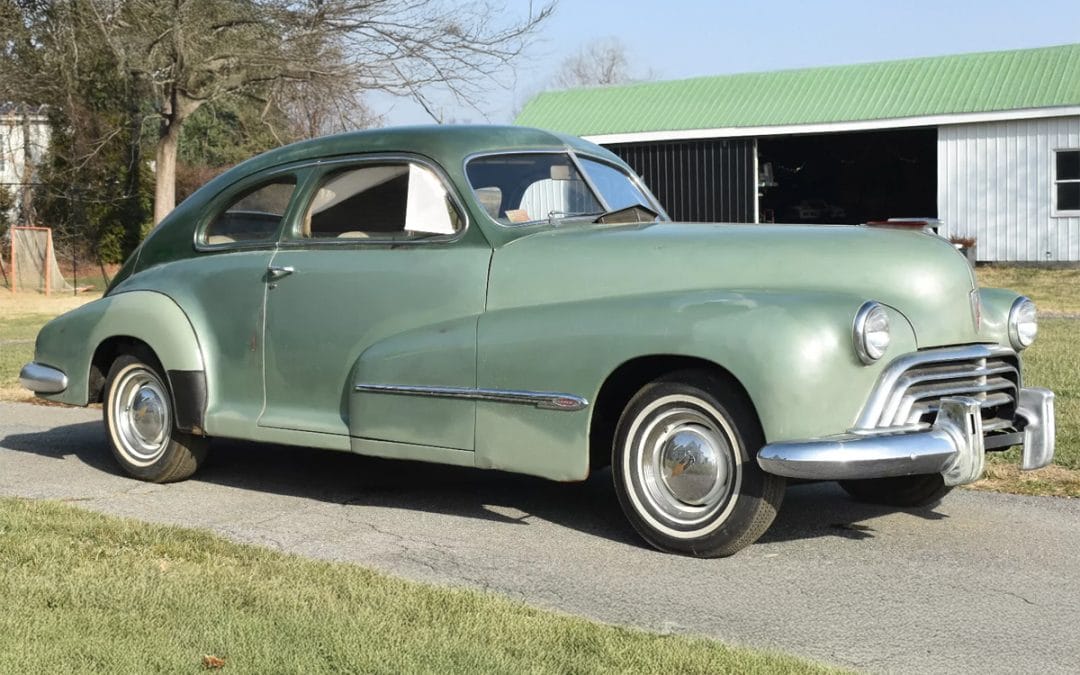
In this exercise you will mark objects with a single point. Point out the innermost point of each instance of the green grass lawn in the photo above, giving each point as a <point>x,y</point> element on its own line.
<point>1052,362</point>
<point>17,335</point>
<point>83,592</point>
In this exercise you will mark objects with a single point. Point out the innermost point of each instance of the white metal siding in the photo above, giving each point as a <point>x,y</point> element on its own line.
<point>995,183</point>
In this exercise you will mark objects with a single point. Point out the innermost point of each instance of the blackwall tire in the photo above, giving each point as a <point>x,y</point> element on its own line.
<point>141,424</point>
<point>903,491</point>
<point>685,470</point>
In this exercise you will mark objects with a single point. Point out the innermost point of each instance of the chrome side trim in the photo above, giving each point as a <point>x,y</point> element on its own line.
<point>545,400</point>
<point>42,379</point>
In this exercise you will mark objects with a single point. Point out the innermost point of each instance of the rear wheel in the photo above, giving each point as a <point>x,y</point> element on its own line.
<point>141,423</point>
<point>684,467</point>
<point>918,490</point>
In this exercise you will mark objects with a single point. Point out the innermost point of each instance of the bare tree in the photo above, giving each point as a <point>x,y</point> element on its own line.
<point>185,53</point>
<point>601,63</point>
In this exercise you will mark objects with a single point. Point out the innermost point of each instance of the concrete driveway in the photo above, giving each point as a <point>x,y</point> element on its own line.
<point>982,583</point>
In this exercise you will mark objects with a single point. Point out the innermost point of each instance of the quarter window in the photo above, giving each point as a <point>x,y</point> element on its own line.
<point>254,215</point>
<point>1067,181</point>
<point>381,201</point>
<point>616,187</point>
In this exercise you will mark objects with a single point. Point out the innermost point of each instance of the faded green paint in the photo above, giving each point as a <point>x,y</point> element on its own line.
<point>963,83</point>
<point>790,350</point>
<point>69,341</point>
<point>340,302</point>
<point>535,308</point>
<point>436,354</point>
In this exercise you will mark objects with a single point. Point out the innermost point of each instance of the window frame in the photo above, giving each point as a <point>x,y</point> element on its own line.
<point>290,236</point>
<point>221,202</point>
<point>1055,182</point>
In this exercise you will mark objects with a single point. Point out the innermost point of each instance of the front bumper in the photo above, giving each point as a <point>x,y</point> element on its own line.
<point>953,446</point>
<point>42,379</point>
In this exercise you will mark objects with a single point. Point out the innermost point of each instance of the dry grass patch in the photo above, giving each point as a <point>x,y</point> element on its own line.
<point>15,305</point>
<point>1055,291</point>
<point>1052,481</point>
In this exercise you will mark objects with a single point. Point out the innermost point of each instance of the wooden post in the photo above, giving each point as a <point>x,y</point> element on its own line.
<point>14,274</point>
<point>46,265</point>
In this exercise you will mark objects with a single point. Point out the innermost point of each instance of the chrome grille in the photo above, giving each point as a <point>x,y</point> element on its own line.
<point>910,390</point>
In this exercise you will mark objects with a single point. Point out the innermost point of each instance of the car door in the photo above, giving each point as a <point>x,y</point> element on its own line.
<point>222,290</point>
<point>379,282</point>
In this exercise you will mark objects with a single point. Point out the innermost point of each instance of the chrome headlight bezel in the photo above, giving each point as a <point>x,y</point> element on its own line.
<point>870,332</point>
<point>1023,323</point>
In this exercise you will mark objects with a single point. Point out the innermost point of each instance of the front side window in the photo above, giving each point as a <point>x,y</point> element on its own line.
<point>529,187</point>
<point>252,216</point>
<point>523,188</point>
<point>1067,181</point>
<point>392,200</point>
<point>616,187</point>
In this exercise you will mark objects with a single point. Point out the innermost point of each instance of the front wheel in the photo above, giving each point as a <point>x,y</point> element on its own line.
<point>141,423</point>
<point>685,471</point>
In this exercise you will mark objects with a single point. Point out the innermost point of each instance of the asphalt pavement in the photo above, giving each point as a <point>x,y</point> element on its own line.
<point>981,583</point>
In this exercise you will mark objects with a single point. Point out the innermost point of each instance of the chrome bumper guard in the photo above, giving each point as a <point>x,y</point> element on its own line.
<point>42,379</point>
<point>953,446</point>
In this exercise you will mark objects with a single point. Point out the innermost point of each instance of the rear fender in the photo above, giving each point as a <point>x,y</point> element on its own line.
<point>70,341</point>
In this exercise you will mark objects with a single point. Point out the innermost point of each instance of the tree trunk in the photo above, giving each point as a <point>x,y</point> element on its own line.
<point>165,168</point>
<point>26,205</point>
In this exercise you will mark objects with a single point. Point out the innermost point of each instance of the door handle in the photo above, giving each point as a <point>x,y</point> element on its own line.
<point>274,273</point>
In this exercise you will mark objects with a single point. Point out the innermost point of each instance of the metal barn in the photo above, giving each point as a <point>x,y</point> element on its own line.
<point>988,143</point>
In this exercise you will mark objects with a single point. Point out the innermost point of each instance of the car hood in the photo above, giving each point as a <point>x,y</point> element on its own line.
<point>918,274</point>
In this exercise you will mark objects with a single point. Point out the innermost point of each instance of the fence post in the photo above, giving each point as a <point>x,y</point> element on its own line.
<point>47,266</point>
<point>14,276</point>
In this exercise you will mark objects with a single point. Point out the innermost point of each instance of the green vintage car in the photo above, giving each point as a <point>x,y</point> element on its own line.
<point>509,298</point>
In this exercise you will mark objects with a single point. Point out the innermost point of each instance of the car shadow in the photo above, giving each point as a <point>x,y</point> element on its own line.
<point>809,511</point>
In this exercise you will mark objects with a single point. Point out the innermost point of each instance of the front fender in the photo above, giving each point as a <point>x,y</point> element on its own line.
<point>69,341</point>
<point>791,351</point>
<point>996,303</point>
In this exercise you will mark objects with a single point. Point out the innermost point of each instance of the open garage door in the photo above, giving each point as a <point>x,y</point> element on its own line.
<point>848,177</point>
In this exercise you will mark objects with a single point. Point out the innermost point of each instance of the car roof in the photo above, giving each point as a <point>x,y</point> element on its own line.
<point>447,144</point>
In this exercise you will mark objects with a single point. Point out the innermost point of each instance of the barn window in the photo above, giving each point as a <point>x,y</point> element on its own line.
<point>1067,182</point>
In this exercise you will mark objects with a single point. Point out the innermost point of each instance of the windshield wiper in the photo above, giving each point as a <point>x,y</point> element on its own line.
<point>570,214</point>
<point>628,214</point>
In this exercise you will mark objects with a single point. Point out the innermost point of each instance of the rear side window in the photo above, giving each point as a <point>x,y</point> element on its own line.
<point>253,215</point>
<point>393,200</point>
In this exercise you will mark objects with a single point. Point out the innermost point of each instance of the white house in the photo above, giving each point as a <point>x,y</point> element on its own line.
<point>24,133</point>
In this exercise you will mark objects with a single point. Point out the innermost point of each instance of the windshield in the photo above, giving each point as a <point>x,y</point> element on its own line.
<point>523,188</point>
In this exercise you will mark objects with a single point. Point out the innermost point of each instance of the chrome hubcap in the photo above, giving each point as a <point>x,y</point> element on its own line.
<point>148,414</point>
<point>140,412</point>
<point>682,465</point>
<point>691,465</point>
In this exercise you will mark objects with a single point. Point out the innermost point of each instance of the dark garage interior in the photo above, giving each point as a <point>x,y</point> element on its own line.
<point>848,177</point>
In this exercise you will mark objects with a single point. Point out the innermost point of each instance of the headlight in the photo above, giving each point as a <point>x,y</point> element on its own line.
<point>871,332</point>
<point>1023,326</point>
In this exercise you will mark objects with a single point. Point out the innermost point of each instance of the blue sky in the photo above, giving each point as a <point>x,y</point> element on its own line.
<point>686,38</point>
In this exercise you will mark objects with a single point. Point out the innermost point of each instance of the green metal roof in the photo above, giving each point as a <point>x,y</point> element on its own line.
<point>964,83</point>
